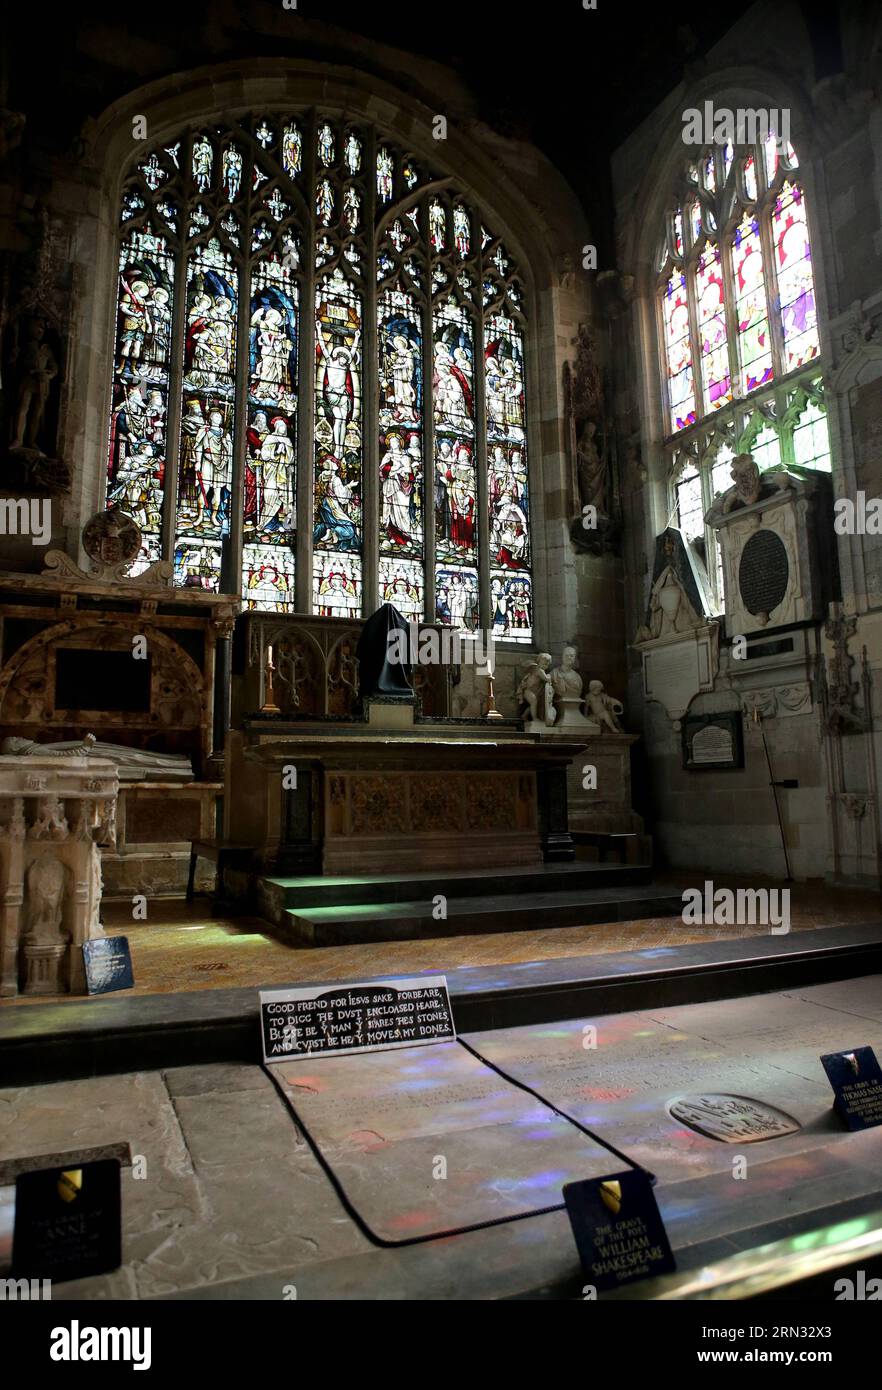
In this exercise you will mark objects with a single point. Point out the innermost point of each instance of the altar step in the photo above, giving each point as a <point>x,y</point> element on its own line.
<point>351,923</point>
<point>276,893</point>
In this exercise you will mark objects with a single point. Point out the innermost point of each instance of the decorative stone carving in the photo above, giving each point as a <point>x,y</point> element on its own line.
<point>843,715</point>
<point>112,541</point>
<point>37,369</point>
<point>536,691</point>
<point>44,941</point>
<point>775,569</point>
<point>50,865</point>
<point>591,451</point>
<point>605,708</point>
<point>131,764</point>
<point>679,645</point>
<point>773,702</point>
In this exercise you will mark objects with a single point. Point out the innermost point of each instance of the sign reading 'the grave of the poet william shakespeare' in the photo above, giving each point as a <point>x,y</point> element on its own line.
<point>325,1020</point>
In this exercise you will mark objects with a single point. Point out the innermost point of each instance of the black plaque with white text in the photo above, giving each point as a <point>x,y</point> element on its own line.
<point>107,962</point>
<point>618,1228</point>
<point>326,1020</point>
<point>68,1222</point>
<point>856,1079</point>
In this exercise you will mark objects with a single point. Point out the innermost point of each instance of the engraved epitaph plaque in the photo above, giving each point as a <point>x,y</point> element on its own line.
<point>763,573</point>
<point>327,1020</point>
<point>732,1119</point>
<point>713,741</point>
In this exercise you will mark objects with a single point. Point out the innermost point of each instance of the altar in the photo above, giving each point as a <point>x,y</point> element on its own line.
<point>358,799</point>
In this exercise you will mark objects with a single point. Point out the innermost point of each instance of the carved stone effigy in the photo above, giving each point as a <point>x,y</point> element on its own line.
<point>54,814</point>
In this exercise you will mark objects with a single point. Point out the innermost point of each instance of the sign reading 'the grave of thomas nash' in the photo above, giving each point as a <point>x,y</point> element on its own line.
<point>329,1019</point>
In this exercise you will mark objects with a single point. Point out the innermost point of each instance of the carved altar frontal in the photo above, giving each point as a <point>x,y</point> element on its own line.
<point>54,813</point>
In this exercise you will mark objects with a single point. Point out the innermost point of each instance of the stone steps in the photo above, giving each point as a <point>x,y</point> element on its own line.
<point>350,923</point>
<point>285,892</point>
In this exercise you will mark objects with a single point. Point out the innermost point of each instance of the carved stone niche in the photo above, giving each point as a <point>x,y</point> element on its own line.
<point>679,641</point>
<point>776,540</point>
<point>54,813</point>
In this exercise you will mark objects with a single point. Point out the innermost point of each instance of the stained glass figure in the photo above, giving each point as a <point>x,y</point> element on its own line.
<point>351,209</point>
<point>232,172</point>
<point>507,466</point>
<point>400,420</point>
<point>203,158</point>
<point>270,470</point>
<point>385,171</point>
<point>138,421</point>
<point>324,202</point>
<point>401,583</point>
<point>437,226</point>
<point>352,153</point>
<point>292,149</point>
<point>153,172</point>
<point>461,233</point>
<point>326,145</point>
<point>209,386</point>
<point>678,347</point>
<point>338,432</point>
<point>793,265</point>
<point>754,338</point>
<point>712,335</point>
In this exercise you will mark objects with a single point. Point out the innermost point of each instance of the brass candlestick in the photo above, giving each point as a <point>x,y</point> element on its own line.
<point>492,711</point>
<point>269,705</point>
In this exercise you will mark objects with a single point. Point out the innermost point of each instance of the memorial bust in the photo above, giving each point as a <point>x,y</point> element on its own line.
<point>565,678</point>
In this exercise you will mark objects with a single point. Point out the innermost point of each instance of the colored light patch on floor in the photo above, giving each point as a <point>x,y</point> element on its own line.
<point>425,1141</point>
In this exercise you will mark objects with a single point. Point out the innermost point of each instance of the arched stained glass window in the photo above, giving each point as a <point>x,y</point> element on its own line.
<point>738,329</point>
<point>319,382</point>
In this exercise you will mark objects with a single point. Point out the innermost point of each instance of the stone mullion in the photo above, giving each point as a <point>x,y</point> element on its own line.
<point>306,385</point>
<point>483,488</point>
<point>176,370</point>
<point>231,579</point>
<point>370,491</point>
<point>770,279</point>
<point>428,459</point>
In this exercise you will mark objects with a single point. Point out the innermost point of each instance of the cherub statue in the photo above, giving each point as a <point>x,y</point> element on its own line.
<point>537,692</point>
<point>604,708</point>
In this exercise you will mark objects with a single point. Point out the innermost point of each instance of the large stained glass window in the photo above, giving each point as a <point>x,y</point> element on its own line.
<point>319,393</point>
<point>736,292</point>
<point>738,330</point>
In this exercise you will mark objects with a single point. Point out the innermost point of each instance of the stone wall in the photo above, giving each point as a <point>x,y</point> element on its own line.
<point>726,820</point>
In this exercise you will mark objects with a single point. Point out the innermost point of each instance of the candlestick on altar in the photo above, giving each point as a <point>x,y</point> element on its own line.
<point>269,705</point>
<point>492,711</point>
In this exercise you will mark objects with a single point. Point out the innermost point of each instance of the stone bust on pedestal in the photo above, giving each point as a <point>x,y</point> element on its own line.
<point>568,698</point>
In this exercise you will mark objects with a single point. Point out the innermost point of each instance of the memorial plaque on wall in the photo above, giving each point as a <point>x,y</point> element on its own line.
<point>763,572</point>
<point>713,741</point>
<point>68,1222</point>
<point>618,1228</point>
<point>326,1020</point>
<point>856,1079</point>
<point>732,1119</point>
